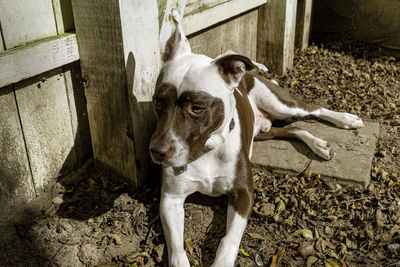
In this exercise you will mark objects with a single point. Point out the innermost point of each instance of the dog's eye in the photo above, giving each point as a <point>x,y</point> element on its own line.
<point>156,102</point>
<point>197,110</point>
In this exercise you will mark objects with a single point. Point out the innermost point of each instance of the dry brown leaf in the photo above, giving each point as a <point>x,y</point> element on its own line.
<point>256,236</point>
<point>276,259</point>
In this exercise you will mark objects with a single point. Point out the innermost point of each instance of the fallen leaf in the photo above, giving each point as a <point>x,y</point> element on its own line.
<point>332,254</point>
<point>244,253</point>
<point>159,250</point>
<point>189,245</point>
<point>115,238</point>
<point>259,214</point>
<point>331,263</point>
<point>276,259</point>
<point>256,236</point>
<point>306,233</point>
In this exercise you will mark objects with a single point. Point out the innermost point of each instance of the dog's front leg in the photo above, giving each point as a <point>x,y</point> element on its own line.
<point>236,223</point>
<point>172,219</point>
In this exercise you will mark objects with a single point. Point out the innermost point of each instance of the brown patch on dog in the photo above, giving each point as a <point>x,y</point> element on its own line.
<point>174,113</point>
<point>241,198</point>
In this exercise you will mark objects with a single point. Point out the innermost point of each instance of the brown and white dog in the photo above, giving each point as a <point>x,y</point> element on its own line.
<point>209,111</point>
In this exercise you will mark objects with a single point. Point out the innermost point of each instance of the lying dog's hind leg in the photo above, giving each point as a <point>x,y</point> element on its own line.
<point>317,145</point>
<point>279,104</point>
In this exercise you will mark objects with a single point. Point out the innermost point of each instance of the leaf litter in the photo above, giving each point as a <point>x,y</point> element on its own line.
<point>297,220</point>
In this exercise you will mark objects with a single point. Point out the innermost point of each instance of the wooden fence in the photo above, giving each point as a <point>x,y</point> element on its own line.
<point>46,112</point>
<point>43,119</point>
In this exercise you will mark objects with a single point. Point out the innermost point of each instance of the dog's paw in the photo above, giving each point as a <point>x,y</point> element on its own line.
<point>176,16</point>
<point>350,121</point>
<point>322,148</point>
<point>261,68</point>
<point>180,259</point>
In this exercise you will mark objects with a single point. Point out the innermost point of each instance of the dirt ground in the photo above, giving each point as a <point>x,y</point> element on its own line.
<point>94,220</point>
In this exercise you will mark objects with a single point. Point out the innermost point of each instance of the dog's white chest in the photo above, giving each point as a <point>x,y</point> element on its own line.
<point>211,175</point>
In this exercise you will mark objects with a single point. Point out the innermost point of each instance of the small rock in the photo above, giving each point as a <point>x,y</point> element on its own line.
<point>395,247</point>
<point>305,249</point>
<point>58,200</point>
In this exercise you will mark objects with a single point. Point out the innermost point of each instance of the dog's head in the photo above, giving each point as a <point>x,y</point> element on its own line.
<point>194,101</point>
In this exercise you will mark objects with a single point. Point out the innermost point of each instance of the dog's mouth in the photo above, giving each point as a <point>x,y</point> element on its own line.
<point>168,157</point>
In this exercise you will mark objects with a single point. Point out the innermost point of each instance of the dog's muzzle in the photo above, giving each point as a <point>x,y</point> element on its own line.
<point>161,152</point>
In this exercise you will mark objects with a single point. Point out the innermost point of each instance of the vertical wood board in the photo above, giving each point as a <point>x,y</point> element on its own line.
<point>238,35</point>
<point>15,176</point>
<point>78,111</point>
<point>139,19</point>
<point>276,34</point>
<point>25,21</point>
<point>46,122</point>
<point>58,16</point>
<point>98,28</point>
<point>1,40</point>
<point>303,23</point>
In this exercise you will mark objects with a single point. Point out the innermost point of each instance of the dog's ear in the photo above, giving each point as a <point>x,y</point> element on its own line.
<point>232,67</point>
<point>177,44</point>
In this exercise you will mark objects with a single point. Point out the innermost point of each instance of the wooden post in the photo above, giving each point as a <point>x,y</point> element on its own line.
<point>120,59</point>
<point>303,20</point>
<point>276,34</point>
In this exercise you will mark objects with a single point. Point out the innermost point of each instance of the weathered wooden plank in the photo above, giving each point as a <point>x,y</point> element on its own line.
<point>15,176</point>
<point>25,62</point>
<point>1,41</point>
<point>276,34</point>
<point>25,21</point>
<point>239,35</point>
<point>143,62</point>
<point>78,111</point>
<point>103,63</point>
<point>214,14</point>
<point>58,16</point>
<point>195,6</point>
<point>46,122</point>
<point>303,20</point>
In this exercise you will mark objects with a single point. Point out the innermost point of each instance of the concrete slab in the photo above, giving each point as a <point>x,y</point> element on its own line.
<point>354,151</point>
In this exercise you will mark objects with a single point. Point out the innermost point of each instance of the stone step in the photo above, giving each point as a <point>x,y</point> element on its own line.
<point>351,163</point>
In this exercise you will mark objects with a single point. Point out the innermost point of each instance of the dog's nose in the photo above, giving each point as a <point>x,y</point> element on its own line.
<point>159,152</point>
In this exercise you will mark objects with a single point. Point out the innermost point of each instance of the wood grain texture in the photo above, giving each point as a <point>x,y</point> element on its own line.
<point>101,48</point>
<point>140,31</point>
<point>276,34</point>
<point>25,62</point>
<point>214,14</point>
<point>303,23</point>
<point>25,21</point>
<point>1,41</point>
<point>239,35</point>
<point>15,177</point>
<point>45,118</point>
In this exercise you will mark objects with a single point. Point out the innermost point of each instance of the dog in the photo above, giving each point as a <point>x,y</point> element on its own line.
<point>209,111</point>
